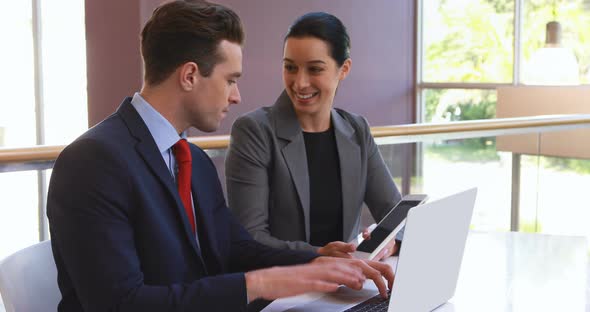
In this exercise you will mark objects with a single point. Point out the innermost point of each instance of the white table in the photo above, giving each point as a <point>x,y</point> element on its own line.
<point>501,272</point>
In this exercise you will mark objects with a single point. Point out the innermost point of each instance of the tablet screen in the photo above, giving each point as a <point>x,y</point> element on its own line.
<point>387,225</point>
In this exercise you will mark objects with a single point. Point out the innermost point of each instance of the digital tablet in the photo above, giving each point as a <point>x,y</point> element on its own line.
<point>388,228</point>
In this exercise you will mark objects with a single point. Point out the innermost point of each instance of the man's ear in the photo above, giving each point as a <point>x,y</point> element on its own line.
<point>188,75</point>
<point>345,68</point>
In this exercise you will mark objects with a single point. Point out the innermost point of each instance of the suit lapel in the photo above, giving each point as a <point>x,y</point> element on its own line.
<point>287,128</point>
<point>350,171</point>
<point>204,218</point>
<point>294,154</point>
<point>148,150</point>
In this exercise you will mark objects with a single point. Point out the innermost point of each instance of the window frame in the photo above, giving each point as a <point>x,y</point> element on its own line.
<point>39,116</point>
<point>421,85</point>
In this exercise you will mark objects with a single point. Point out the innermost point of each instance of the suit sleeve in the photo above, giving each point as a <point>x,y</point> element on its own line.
<point>381,193</point>
<point>89,210</point>
<point>247,168</point>
<point>248,254</point>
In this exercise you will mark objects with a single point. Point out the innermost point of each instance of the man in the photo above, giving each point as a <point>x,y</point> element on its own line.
<point>137,216</point>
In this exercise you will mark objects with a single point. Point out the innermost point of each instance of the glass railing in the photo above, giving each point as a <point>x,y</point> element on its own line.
<point>526,180</point>
<point>531,173</point>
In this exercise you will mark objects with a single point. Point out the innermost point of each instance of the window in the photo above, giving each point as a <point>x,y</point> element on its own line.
<point>64,71</point>
<point>466,49</point>
<point>43,87</point>
<point>481,44</point>
<point>574,18</point>
<point>467,41</point>
<point>17,108</point>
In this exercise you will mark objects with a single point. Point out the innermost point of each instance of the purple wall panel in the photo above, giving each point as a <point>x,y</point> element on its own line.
<point>381,83</point>
<point>380,86</point>
<point>113,60</point>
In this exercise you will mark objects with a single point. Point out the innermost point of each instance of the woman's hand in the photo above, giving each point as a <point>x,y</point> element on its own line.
<point>389,250</point>
<point>337,249</point>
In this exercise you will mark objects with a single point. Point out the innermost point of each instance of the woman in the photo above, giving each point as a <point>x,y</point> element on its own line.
<point>299,171</point>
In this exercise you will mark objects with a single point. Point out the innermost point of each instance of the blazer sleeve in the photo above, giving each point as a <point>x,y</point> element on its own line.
<point>93,239</point>
<point>247,167</point>
<point>248,254</point>
<point>381,193</point>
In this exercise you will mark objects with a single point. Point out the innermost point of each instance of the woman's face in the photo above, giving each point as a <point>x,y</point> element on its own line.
<point>311,75</point>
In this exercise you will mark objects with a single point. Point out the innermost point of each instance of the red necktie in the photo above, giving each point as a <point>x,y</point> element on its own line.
<point>182,154</point>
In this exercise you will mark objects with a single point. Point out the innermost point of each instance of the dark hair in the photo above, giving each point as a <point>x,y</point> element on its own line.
<point>186,31</point>
<point>326,27</point>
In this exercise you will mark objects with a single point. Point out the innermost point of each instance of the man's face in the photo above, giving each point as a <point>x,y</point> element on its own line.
<point>208,103</point>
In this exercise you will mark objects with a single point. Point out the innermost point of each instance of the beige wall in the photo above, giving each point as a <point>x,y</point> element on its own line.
<point>524,101</point>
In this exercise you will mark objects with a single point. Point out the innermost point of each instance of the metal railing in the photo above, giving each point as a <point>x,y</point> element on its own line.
<point>16,159</point>
<point>40,158</point>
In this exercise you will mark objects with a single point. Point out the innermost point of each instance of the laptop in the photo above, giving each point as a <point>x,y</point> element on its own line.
<point>428,265</point>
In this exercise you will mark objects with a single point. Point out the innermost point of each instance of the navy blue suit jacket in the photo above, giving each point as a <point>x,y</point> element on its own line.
<point>120,238</point>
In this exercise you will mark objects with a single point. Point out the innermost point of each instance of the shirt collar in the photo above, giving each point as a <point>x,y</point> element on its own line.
<point>162,131</point>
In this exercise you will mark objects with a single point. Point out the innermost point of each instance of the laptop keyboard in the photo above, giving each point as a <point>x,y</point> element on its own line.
<point>374,304</point>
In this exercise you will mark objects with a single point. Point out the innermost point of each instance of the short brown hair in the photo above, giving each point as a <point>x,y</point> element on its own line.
<point>186,31</point>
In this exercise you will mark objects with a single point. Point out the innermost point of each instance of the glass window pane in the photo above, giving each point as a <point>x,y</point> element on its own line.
<point>17,108</point>
<point>546,206</point>
<point>19,224</point>
<point>467,40</point>
<point>553,65</point>
<point>400,160</point>
<point>448,166</point>
<point>19,221</point>
<point>64,70</point>
<point>443,105</point>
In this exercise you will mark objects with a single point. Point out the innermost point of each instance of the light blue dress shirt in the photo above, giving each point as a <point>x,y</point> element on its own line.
<point>161,130</point>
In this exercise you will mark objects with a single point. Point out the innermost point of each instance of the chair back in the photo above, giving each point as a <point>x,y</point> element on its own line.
<point>28,280</point>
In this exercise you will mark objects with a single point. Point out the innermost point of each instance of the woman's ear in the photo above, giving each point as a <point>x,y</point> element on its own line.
<point>345,69</point>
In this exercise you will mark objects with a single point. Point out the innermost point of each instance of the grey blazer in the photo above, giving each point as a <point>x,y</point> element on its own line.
<point>268,182</point>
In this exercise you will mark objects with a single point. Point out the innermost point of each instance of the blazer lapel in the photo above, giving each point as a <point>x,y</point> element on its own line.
<point>350,171</point>
<point>204,217</point>
<point>287,127</point>
<point>148,150</point>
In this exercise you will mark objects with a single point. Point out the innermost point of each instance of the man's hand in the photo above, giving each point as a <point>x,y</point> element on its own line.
<point>337,249</point>
<point>321,276</point>
<point>389,250</point>
<point>371,269</point>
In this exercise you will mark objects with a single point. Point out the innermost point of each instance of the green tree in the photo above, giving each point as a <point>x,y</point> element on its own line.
<point>468,41</point>
<point>472,41</point>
